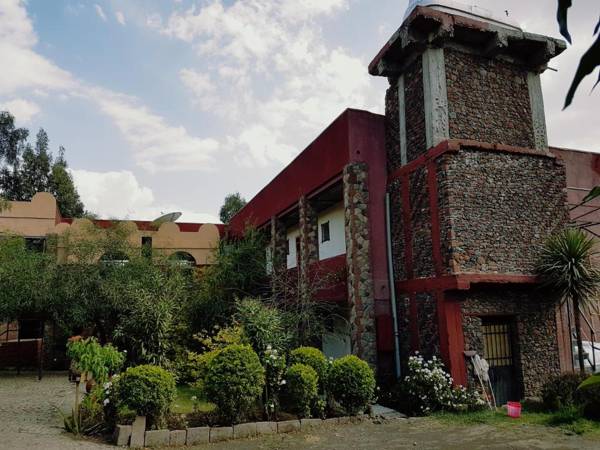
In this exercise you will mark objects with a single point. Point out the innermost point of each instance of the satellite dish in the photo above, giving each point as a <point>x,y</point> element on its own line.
<point>166,218</point>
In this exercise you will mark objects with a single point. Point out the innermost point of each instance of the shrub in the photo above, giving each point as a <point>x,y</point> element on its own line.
<point>197,367</point>
<point>274,364</point>
<point>300,393</point>
<point>98,361</point>
<point>147,390</point>
<point>351,382</point>
<point>590,396</point>
<point>263,325</point>
<point>428,388</point>
<point>234,381</point>
<point>561,391</point>
<point>314,358</point>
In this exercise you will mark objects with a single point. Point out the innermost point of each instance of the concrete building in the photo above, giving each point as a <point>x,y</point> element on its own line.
<point>473,190</point>
<point>39,220</point>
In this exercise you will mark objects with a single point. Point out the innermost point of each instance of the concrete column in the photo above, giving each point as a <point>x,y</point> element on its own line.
<point>360,280</point>
<point>538,115</point>
<point>402,120</point>
<point>436,97</point>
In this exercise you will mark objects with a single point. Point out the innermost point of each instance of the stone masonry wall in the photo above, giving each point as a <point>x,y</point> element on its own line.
<point>360,281</point>
<point>429,333</point>
<point>309,242</point>
<point>392,127</point>
<point>488,100</point>
<point>421,225</point>
<point>497,210</point>
<point>278,244</point>
<point>416,138</point>
<point>536,350</point>
<point>397,230</point>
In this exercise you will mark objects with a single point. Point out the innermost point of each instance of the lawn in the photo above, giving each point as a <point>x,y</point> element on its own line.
<point>568,420</point>
<point>184,404</point>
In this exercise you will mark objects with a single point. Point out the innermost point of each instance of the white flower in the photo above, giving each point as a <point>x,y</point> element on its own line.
<point>106,401</point>
<point>282,382</point>
<point>124,351</point>
<point>194,398</point>
<point>269,348</point>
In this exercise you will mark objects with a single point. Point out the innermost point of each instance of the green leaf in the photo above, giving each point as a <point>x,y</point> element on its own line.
<point>589,61</point>
<point>561,17</point>
<point>589,383</point>
<point>594,193</point>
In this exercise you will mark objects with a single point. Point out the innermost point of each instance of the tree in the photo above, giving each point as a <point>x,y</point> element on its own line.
<point>589,61</point>
<point>63,188</point>
<point>232,205</point>
<point>26,170</point>
<point>566,269</point>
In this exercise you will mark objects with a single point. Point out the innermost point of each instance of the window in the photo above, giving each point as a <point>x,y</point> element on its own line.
<point>146,246</point>
<point>325,236</point>
<point>297,251</point>
<point>37,245</point>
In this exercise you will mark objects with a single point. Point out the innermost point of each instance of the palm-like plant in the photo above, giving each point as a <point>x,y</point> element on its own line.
<point>566,268</point>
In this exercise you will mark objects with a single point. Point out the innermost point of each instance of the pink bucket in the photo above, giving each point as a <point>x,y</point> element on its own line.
<point>514,409</point>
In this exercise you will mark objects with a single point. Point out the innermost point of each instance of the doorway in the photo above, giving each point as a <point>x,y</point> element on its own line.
<point>498,338</point>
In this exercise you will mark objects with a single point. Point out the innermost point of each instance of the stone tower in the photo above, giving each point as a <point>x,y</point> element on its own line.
<point>474,189</point>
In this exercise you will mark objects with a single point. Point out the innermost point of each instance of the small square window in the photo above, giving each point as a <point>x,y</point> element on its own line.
<point>325,236</point>
<point>37,245</point>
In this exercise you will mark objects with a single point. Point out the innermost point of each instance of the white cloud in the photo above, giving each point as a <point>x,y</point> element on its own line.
<point>23,110</point>
<point>120,17</point>
<point>119,195</point>
<point>279,81</point>
<point>100,11</point>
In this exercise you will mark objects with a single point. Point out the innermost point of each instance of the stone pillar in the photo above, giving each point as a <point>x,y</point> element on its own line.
<point>278,244</point>
<point>436,97</point>
<point>360,280</point>
<point>309,242</point>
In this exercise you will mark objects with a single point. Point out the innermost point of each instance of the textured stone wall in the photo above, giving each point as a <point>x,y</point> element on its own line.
<point>309,242</point>
<point>536,350</point>
<point>392,127</point>
<point>488,100</point>
<point>416,138</point>
<point>360,282</point>
<point>429,333</point>
<point>497,210</point>
<point>421,225</point>
<point>397,230</point>
<point>278,244</point>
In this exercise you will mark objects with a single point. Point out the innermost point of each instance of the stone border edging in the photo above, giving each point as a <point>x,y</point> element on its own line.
<point>204,435</point>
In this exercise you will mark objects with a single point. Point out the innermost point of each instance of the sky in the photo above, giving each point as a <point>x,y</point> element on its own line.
<point>170,105</point>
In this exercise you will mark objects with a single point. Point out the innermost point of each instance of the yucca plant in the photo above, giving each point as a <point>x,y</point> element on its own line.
<point>566,268</point>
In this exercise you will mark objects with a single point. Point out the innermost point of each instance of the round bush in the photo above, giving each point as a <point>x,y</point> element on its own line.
<point>561,391</point>
<point>314,358</point>
<point>589,396</point>
<point>352,383</point>
<point>234,381</point>
<point>300,391</point>
<point>147,390</point>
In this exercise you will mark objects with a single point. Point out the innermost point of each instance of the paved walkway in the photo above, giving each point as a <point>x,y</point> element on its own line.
<point>28,416</point>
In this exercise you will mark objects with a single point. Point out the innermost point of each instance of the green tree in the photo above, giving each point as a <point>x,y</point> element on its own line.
<point>63,188</point>
<point>566,269</point>
<point>13,142</point>
<point>232,205</point>
<point>37,163</point>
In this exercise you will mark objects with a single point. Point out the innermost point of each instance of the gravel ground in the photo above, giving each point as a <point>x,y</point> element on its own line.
<point>29,420</point>
<point>28,416</point>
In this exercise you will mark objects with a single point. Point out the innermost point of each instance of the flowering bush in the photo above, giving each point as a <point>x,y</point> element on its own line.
<point>300,393</point>
<point>274,364</point>
<point>428,388</point>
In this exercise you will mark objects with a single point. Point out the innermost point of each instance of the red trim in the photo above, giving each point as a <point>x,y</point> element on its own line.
<point>456,341</point>
<point>455,145</point>
<point>436,245</point>
<point>460,282</point>
<point>442,326</point>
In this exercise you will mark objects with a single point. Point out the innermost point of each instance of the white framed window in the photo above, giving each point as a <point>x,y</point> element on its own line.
<point>331,229</point>
<point>325,232</point>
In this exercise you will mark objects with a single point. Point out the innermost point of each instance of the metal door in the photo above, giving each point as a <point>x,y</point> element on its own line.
<point>498,352</point>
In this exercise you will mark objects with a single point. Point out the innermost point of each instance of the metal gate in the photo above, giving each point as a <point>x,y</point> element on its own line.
<point>498,351</point>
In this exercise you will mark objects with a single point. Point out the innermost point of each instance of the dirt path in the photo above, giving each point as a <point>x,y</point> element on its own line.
<point>28,419</point>
<point>417,434</point>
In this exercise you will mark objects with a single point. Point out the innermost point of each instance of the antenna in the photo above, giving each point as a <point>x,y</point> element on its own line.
<point>171,217</point>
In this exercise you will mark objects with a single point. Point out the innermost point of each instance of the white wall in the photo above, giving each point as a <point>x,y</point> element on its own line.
<point>337,245</point>
<point>336,342</point>
<point>292,259</point>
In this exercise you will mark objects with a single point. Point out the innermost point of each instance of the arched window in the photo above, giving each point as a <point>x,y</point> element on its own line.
<point>183,259</point>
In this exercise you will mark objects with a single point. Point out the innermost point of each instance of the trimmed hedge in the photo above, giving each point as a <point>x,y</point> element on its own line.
<point>351,382</point>
<point>234,381</point>
<point>147,390</point>
<point>300,392</point>
<point>314,358</point>
<point>561,391</point>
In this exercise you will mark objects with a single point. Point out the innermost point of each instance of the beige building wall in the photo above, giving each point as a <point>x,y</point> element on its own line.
<point>40,218</point>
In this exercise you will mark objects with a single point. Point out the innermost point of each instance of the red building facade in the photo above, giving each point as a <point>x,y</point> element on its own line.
<point>473,191</point>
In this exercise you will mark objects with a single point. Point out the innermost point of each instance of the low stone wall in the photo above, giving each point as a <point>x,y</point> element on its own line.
<point>125,434</point>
